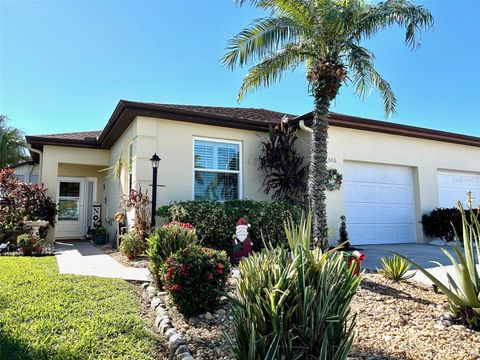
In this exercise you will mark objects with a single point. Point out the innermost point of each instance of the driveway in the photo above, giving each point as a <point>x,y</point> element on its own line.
<point>422,254</point>
<point>82,258</point>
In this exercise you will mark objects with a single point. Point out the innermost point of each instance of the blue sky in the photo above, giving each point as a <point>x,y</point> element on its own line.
<point>64,65</point>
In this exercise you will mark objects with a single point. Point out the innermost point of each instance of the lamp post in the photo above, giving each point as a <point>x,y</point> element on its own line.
<point>155,161</point>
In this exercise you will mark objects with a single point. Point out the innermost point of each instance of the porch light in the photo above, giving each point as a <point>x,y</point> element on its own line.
<point>155,160</point>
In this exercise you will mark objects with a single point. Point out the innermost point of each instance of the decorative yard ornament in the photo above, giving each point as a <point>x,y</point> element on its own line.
<point>242,243</point>
<point>334,180</point>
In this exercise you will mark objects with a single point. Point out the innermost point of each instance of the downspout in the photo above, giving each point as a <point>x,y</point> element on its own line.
<point>304,127</point>
<point>40,162</point>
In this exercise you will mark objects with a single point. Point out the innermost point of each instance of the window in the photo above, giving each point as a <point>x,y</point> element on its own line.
<point>130,166</point>
<point>217,170</point>
<point>69,201</point>
<point>34,179</point>
<point>20,177</point>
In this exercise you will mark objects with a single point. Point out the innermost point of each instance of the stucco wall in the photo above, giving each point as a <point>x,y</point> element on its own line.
<point>173,142</point>
<point>425,157</point>
<point>55,155</point>
<point>28,171</point>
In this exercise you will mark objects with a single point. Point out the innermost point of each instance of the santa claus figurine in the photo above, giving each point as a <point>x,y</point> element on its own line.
<point>242,243</point>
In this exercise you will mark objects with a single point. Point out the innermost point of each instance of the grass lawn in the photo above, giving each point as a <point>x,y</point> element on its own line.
<point>45,315</point>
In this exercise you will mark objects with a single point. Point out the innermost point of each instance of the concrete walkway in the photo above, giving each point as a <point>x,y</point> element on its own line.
<point>422,254</point>
<point>82,258</point>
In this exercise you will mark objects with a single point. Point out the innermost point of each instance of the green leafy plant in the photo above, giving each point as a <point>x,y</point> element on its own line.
<point>195,278</point>
<point>131,245</point>
<point>463,294</point>
<point>215,221</point>
<point>294,303</point>
<point>445,223</point>
<point>165,241</point>
<point>25,240</point>
<point>100,230</point>
<point>395,268</point>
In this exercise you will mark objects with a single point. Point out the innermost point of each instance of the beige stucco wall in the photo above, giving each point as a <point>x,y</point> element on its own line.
<point>173,142</point>
<point>425,157</point>
<point>55,156</point>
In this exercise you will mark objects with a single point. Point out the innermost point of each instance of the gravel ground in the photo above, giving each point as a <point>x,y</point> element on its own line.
<point>395,321</point>
<point>139,262</point>
<point>408,320</point>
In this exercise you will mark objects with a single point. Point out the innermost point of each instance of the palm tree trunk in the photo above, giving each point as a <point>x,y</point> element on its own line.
<point>318,173</point>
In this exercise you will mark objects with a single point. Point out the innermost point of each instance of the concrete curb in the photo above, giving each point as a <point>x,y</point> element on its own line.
<point>163,323</point>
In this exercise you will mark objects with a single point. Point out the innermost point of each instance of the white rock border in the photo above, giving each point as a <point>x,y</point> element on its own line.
<point>163,323</point>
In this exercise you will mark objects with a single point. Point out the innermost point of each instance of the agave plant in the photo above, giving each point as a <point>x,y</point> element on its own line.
<point>294,303</point>
<point>395,268</point>
<point>463,294</point>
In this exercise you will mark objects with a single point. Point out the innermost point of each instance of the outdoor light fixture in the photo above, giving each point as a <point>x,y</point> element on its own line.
<point>155,161</point>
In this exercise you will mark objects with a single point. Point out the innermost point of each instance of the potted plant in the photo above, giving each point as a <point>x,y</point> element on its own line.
<point>26,243</point>
<point>100,235</point>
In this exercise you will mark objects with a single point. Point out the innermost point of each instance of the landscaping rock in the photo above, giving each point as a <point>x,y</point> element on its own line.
<point>170,332</point>
<point>175,341</point>
<point>221,312</point>
<point>155,302</point>
<point>182,349</point>
<point>145,285</point>
<point>208,316</point>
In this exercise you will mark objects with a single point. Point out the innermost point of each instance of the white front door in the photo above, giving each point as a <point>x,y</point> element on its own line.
<point>71,214</point>
<point>454,185</point>
<point>379,203</point>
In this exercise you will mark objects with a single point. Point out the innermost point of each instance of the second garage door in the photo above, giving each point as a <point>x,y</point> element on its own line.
<point>379,203</point>
<point>454,185</point>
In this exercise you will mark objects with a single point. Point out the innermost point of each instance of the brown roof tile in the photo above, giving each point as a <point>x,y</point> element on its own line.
<point>84,135</point>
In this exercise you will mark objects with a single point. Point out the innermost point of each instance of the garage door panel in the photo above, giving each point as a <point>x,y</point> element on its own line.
<point>453,186</point>
<point>379,203</point>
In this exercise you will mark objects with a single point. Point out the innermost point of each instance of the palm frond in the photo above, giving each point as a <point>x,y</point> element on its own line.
<point>271,69</point>
<point>262,37</point>
<point>416,19</point>
<point>365,77</point>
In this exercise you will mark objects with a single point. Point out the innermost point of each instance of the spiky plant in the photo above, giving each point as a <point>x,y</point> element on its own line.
<point>326,36</point>
<point>463,293</point>
<point>395,268</point>
<point>294,303</point>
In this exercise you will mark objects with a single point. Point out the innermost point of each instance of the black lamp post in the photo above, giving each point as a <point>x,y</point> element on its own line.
<point>155,161</point>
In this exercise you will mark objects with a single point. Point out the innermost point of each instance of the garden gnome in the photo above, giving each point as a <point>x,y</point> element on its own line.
<point>242,243</point>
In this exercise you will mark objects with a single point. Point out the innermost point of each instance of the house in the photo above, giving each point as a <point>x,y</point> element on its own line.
<point>27,171</point>
<point>392,173</point>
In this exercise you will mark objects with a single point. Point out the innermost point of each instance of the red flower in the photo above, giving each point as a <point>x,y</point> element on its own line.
<point>166,287</point>
<point>210,276</point>
<point>220,267</point>
<point>176,287</point>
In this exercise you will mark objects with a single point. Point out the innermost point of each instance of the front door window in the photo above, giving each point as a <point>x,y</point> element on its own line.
<point>69,201</point>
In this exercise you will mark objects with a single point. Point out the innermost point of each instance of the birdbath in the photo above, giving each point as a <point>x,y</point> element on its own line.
<point>36,226</point>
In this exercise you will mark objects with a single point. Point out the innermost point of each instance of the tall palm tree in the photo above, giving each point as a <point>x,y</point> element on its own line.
<point>326,36</point>
<point>12,144</point>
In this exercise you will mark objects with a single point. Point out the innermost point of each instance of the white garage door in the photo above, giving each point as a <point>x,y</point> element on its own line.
<point>379,203</point>
<point>453,186</point>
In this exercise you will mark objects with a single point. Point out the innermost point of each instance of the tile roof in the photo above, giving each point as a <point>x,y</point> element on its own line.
<point>253,114</point>
<point>80,136</point>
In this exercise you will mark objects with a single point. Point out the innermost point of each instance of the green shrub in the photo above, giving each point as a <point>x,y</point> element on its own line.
<point>294,304</point>
<point>395,268</point>
<point>131,245</point>
<point>215,221</point>
<point>464,294</point>
<point>25,240</point>
<point>195,278</point>
<point>438,223</point>
<point>165,241</point>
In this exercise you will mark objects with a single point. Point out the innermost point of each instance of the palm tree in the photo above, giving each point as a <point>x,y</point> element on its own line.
<point>326,36</point>
<point>12,144</point>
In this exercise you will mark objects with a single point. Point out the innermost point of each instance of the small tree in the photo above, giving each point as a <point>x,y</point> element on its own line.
<point>140,203</point>
<point>285,171</point>
<point>12,144</point>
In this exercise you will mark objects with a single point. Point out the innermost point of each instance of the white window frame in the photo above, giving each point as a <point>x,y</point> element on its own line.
<point>240,163</point>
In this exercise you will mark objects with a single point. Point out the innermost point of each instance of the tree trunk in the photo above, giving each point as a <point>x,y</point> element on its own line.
<point>318,173</point>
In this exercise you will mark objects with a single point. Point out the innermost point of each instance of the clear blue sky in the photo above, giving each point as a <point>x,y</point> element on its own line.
<point>64,65</point>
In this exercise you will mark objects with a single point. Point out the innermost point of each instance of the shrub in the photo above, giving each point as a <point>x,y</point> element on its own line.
<point>464,294</point>
<point>395,268</point>
<point>20,201</point>
<point>140,203</point>
<point>131,245</point>
<point>165,241</point>
<point>439,222</point>
<point>24,240</point>
<point>195,278</point>
<point>294,304</point>
<point>215,221</point>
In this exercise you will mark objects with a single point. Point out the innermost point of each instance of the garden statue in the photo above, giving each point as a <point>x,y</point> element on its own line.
<point>242,243</point>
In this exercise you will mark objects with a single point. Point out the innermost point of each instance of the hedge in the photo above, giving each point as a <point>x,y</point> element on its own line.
<point>441,222</point>
<point>215,221</point>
